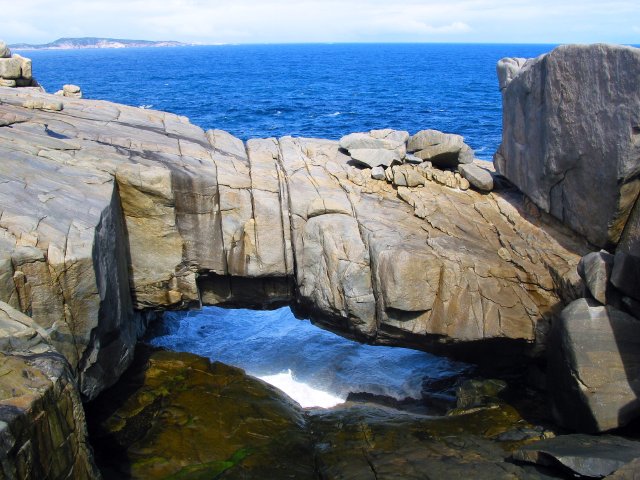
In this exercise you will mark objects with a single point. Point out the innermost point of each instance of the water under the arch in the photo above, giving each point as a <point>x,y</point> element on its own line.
<point>313,366</point>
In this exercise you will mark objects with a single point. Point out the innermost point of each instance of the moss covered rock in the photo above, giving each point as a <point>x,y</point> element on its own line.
<point>176,415</point>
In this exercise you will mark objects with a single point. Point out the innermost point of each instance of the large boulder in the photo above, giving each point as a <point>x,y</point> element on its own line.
<point>10,68</point>
<point>595,269</point>
<point>441,149</point>
<point>5,52</point>
<point>571,122</point>
<point>594,367</point>
<point>478,177</point>
<point>376,148</point>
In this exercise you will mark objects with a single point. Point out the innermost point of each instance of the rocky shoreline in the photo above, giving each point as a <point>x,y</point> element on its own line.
<point>111,214</point>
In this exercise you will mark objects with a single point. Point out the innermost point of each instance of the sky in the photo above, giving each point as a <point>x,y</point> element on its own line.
<point>304,21</point>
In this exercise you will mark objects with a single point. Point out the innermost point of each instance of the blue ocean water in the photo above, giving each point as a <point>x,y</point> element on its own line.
<point>325,90</point>
<point>313,366</point>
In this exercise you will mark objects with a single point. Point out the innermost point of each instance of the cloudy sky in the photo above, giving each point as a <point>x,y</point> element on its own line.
<point>285,21</point>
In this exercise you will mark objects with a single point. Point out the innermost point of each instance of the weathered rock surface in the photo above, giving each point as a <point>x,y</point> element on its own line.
<point>594,367</point>
<point>571,122</point>
<point>478,177</point>
<point>441,149</point>
<point>19,333</point>
<point>42,424</point>
<point>589,456</point>
<point>595,269</point>
<point>141,210</point>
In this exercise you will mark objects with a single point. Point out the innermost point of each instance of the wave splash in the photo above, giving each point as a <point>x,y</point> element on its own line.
<point>313,366</point>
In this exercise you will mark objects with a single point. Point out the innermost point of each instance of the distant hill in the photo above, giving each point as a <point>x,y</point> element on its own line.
<point>95,42</point>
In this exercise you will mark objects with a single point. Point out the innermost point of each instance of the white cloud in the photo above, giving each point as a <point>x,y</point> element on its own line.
<point>244,21</point>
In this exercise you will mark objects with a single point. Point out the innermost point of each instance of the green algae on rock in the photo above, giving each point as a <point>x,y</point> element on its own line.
<point>177,415</point>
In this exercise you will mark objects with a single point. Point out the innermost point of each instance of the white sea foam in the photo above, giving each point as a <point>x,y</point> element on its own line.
<point>335,114</point>
<point>302,393</point>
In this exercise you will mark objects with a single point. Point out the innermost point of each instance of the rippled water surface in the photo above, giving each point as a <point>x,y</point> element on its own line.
<point>301,90</point>
<point>313,366</point>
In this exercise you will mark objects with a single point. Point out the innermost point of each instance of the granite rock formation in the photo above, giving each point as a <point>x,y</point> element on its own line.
<point>15,70</point>
<point>42,424</point>
<point>73,91</point>
<point>571,122</point>
<point>140,210</point>
<point>110,213</point>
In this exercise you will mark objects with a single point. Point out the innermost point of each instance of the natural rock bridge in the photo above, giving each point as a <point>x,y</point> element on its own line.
<point>101,200</point>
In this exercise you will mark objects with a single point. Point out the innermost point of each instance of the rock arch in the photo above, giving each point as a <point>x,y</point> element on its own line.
<point>101,199</point>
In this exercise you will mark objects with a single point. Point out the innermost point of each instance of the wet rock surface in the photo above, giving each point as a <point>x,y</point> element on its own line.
<point>176,415</point>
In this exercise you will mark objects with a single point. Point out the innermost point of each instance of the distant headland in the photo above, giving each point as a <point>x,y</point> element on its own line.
<point>96,42</point>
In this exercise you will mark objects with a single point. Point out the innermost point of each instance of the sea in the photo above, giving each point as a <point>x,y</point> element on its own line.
<point>313,90</point>
<point>324,91</point>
